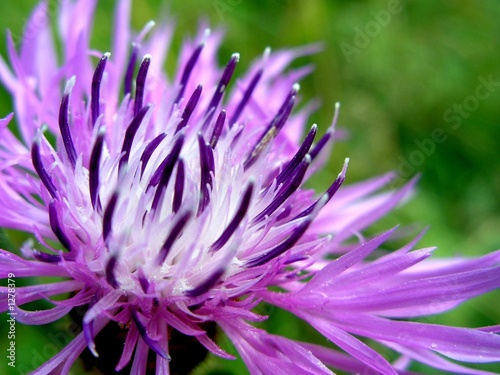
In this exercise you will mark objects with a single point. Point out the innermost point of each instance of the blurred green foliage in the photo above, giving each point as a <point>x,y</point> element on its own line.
<point>401,70</point>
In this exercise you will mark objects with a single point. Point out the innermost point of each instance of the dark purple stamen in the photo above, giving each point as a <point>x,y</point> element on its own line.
<point>293,259</point>
<point>219,124</point>
<point>40,170</point>
<point>130,134</point>
<point>129,75</point>
<point>110,272</point>
<point>143,281</point>
<point>235,222</point>
<point>285,109</point>
<point>88,333</point>
<point>282,247</point>
<point>95,159</point>
<point>221,88</point>
<point>291,184</point>
<point>205,285</point>
<point>187,71</point>
<point>174,234</point>
<point>190,106</point>
<point>167,168</point>
<point>107,218</point>
<point>298,157</point>
<point>140,83</point>
<point>179,186</point>
<point>210,159</point>
<point>96,86</point>
<point>156,177</point>
<point>246,97</point>
<point>321,143</point>
<point>330,192</point>
<point>47,258</point>
<point>149,149</point>
<point>237,136</point>
<point>273,128</point>
<point>56,227</point>
<point>64,129</point>
<point>206,168</point>
<point>286,211</point>
<point>153,345</point>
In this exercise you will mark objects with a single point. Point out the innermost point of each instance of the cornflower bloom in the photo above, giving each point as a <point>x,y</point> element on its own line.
<point>169,207</point>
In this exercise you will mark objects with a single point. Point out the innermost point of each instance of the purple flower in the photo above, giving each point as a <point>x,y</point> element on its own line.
<point>178,204</point>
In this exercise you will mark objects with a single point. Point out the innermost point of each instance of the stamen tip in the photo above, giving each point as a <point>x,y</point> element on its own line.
<point>69,85</point>
<point>344,169</point>
<point>204,38</point>
<point>150,25</point>
<point>267,52</point>
<point>101,130</point>
<point>93,350</point>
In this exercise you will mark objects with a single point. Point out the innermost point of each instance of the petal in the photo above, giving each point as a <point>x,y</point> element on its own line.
<point>463,344</point>
<point>328,274</point>
<point>436,361</point>
<point>11,263</point>
<point>68,355</point>
<point>266,354</point>
<point>128,349</point>
<point>347,220</point>
<point>38,54</point>
<point>43,316</point>
<point>27,294</point>
<point>349,343</point>
<point>140,358</point>
<point>342,361</point>
<point>420,296</point>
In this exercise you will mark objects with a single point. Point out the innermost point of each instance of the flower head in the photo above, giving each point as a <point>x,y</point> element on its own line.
<point>179,204</point>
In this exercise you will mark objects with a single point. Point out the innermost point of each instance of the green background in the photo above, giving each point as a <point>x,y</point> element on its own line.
<point>396,87</point>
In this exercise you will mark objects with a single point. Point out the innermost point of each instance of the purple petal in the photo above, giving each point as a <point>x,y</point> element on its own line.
<point>266,354</point>
<point>68,355</point>
<point>350,344</point>
<point>462,344</point>
<point>42,316</point>
<point>328,274</point>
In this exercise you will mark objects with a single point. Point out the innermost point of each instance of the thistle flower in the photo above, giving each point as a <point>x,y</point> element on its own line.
<point>177,205</point>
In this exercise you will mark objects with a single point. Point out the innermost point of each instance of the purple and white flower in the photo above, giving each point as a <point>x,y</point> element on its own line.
<point>166,204</point>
